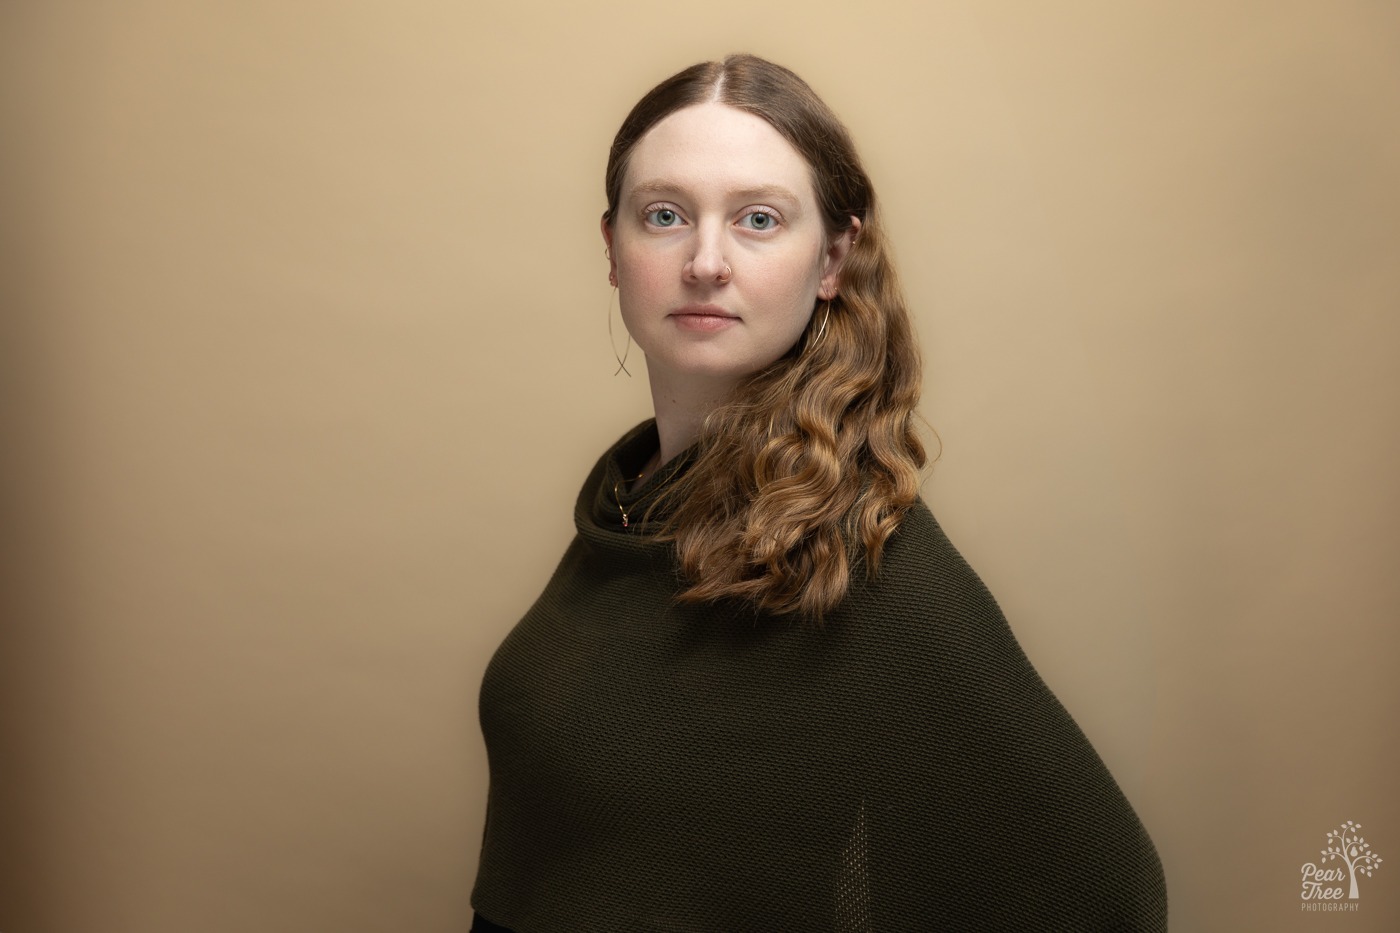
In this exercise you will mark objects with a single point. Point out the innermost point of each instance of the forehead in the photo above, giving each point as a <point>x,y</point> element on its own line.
<point>713,147</point>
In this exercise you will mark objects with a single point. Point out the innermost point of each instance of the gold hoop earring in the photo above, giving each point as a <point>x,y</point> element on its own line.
<point>821,332</point>
<point>612,342</point>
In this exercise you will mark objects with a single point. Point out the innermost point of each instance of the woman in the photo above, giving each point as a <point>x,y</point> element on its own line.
<point>762,690</point>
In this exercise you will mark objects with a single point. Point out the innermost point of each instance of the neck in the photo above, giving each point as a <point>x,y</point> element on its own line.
<point>681,404</point>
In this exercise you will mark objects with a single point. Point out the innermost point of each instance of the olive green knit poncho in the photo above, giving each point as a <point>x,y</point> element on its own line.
<point>692,769</point>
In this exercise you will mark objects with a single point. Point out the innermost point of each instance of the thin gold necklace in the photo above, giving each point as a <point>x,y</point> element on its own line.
<point>636,479</point>
<point>618,499</point>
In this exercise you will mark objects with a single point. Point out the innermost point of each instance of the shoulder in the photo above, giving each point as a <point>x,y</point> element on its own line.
<point>929,630</point>
<point>922,573</point>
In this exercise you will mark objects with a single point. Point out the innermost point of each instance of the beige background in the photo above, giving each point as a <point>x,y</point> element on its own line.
<point>303,356</point>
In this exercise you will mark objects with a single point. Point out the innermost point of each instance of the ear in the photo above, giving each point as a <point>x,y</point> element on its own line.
<point>607,250</point>
<point>836,254</point>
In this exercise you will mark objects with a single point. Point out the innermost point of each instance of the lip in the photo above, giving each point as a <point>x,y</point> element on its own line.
<point>707,318</point>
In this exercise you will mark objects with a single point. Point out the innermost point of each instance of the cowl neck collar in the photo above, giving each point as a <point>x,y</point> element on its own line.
<point>605,495</point>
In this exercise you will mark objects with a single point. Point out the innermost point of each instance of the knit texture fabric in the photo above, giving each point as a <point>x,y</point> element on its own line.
<point>702,768</point>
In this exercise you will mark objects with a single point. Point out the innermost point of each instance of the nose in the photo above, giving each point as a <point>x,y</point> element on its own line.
<point>708,264</point>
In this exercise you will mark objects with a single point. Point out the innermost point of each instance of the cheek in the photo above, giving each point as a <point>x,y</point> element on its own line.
<point>793,281</point>
<point>645,283</point>
<point>640,273</point>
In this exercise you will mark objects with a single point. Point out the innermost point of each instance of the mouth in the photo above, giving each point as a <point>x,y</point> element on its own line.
<point>703,318</point>
<point>703,311</point>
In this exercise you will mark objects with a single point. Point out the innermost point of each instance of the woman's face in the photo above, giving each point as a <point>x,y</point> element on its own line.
<point>718,244</point>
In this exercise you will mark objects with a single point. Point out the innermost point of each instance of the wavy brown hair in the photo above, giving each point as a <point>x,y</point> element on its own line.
<point>809,466</point>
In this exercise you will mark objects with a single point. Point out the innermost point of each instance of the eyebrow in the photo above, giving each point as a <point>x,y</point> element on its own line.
<point>757,192</point>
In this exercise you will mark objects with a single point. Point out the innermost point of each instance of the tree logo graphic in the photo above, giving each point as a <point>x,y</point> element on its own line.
<point>1353,850</point>
<point>1347,846</point>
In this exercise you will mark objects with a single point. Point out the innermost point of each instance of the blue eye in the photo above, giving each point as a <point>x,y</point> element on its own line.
<point>663,217</point>
<point>760,220</point>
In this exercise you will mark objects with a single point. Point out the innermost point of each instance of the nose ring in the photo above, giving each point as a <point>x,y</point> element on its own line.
<point>725,275</point>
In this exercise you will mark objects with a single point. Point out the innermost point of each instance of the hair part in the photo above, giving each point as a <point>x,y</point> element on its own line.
<point>808,468</point>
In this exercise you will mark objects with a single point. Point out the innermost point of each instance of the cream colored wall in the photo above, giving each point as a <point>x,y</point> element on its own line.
<point>303,356</point>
